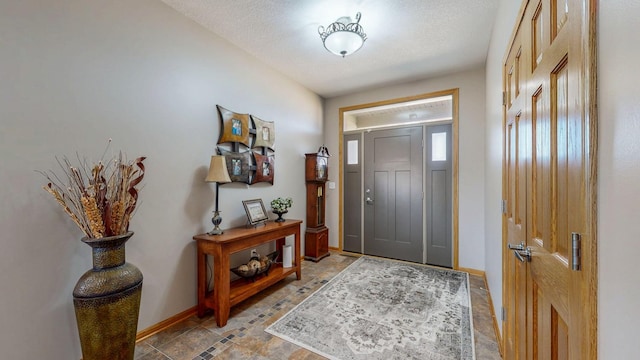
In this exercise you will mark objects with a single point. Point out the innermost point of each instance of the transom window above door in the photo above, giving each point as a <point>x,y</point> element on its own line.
<point>430,110</point>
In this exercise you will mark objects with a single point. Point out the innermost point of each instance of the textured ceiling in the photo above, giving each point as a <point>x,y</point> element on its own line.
<point>407,39</point>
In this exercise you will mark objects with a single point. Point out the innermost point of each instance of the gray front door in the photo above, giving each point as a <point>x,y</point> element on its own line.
<point>393,214</point>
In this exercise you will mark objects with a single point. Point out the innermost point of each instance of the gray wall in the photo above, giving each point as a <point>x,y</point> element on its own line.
<point>471,153</point>
<point>618,179</point>
<point>76,73</point>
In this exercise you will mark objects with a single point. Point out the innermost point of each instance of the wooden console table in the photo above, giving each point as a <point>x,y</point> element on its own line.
<point>226,293</point>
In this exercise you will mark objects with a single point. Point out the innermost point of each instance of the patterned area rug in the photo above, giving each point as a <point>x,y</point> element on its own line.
<point>385,309</point>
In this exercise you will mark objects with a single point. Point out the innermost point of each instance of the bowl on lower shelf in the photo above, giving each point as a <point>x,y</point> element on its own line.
<point>255,267</point>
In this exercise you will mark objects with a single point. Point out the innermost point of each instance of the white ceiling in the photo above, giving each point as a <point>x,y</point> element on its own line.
<point>406,39</point>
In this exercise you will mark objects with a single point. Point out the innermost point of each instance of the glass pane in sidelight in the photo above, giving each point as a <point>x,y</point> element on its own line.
<point>352,152</point>
<point>439,146</point>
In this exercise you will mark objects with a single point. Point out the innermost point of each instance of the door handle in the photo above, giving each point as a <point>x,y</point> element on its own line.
<point>521,252</point>
<point>368,199</point>
<point>523,255</point>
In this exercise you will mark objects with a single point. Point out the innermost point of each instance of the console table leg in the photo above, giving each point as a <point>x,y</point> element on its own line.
<point>221,285</point>
<point>202,282</point>
<point>280,247</point>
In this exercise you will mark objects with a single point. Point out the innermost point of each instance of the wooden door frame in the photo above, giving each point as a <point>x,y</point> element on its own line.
<point>588,106</point>
<point>454,149</point>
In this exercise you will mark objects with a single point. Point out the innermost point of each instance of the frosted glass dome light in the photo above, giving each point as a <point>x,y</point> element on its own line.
<point>343,37</point>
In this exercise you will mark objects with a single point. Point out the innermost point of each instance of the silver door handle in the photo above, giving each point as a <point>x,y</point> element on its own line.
<point>519,247</point>
<point>523,255</point>
<point>369,200</point>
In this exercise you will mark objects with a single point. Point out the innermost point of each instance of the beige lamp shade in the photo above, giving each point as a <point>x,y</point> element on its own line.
<point>218,170</point>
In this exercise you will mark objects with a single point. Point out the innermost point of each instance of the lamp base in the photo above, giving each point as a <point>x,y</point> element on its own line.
<point>216,220</point>
<point>215,231</point>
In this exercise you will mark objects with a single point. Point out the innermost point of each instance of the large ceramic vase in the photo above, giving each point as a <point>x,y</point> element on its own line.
<point>107,301</point>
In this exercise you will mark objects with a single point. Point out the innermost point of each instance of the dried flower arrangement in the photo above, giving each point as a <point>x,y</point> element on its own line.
<point>100,198</point>
<point>281,204</point>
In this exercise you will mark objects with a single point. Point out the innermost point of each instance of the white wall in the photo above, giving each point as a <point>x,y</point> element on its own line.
<point>618,180</point>
<point>471,151</point>
<point>502,29</point>
<point>75,73</point>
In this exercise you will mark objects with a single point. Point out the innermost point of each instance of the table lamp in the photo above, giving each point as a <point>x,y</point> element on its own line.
<point>218,174</point>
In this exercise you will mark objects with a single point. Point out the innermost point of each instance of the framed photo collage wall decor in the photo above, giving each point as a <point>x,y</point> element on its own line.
<point>248,144</point>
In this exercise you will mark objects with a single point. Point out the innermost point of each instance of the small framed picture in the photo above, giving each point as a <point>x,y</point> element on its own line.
<point>235,127</point>
<point>238,165</point>
<point>265,168</point>
<point>265,133</point>
<point>256,213</point>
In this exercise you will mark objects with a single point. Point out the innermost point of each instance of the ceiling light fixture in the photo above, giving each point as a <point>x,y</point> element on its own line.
<point>343,37</point>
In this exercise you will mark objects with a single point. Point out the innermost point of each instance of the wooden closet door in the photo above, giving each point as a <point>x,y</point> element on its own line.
<point>557,40</point>
<point>517,157</point>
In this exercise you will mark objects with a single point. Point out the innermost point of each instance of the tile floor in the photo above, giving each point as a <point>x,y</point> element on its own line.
<point>244,338</point>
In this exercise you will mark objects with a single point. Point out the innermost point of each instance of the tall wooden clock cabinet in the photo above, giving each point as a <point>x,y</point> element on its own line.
<point>316,240</point>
